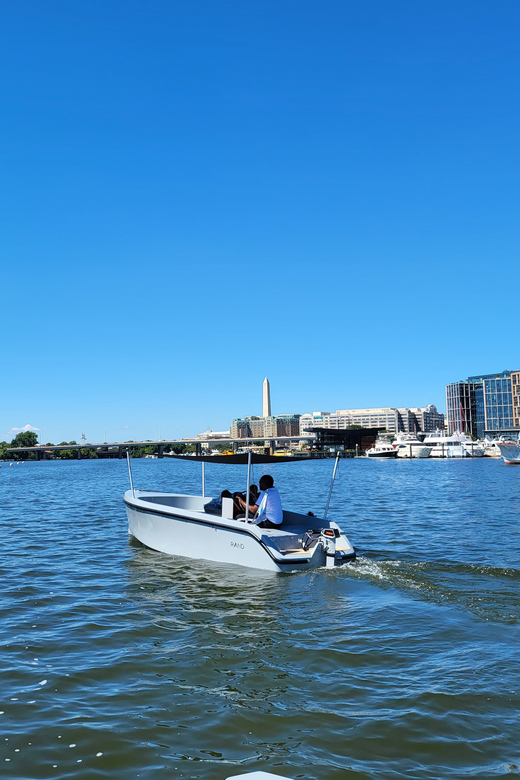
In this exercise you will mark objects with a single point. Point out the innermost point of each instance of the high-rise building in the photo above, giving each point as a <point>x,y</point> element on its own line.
<point>485,405</point>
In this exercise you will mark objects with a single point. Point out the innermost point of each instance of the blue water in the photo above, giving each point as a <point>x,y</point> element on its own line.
<point>117,661</point>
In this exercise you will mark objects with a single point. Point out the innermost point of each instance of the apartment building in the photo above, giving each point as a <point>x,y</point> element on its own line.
<point>391,419</point>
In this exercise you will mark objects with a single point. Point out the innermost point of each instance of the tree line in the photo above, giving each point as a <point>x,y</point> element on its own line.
<point>29,439</point>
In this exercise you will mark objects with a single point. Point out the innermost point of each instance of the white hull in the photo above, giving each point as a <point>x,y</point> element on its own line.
<point>492,451</point>
<point>412,451</point>
<point>457,451</point>
<point>510,453</point>
<point>177,525</point>
<point>458,445</point>
<point>448,451</point>
<point>474,450</point>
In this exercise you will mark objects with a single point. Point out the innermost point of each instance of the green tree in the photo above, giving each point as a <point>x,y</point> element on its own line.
<point>66,454</point>
<point>88,452</point>
<point>25,439</point>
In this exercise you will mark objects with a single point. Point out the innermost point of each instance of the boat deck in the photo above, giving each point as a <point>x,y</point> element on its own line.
<point>286,540</point>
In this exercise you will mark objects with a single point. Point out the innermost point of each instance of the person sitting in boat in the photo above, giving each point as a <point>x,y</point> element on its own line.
<point>238,508</point>
<point>267,511</point>
<point>214,507</point>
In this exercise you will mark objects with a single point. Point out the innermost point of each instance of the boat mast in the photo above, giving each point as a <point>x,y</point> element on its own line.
<point>248,483</point>
<point>331,485</point>
<point>130,472</point>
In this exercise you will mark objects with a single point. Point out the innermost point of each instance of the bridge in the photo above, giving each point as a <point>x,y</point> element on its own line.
<point>119,448</point>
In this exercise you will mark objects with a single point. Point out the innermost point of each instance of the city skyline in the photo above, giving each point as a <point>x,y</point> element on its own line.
<point>326,196</point>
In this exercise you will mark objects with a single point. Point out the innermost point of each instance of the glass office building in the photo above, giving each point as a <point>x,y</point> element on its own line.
<point>485,405</point>
<point>461,406</point>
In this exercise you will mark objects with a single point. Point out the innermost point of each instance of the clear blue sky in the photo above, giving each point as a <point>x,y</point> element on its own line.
<point>198,194</point>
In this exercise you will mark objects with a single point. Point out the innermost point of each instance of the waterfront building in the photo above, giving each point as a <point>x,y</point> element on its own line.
<point>209,434</point>
<point>266,427</point>
<point>391,419</point>
<point>485,405</point>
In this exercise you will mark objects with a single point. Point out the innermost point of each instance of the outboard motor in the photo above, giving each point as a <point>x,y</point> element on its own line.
<point>328,542</point>
<point>326,537</point>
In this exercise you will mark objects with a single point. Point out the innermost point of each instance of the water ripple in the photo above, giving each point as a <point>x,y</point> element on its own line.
<point>119,661</point>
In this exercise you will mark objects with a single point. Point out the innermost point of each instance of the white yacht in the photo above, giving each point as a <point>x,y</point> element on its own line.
<point>382,449</point>
<point>457,445</point>
<point>408,446</point>
<point>491,449</point>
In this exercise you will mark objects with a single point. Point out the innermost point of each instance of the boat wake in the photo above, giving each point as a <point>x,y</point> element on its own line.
<point>487,591</point>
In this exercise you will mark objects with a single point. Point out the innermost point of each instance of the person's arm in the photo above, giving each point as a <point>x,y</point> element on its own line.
<point>253,508</point>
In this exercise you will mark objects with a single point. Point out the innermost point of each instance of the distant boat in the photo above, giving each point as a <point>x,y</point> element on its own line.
<point>409,446</point>
<point>382,449</point>
<point>491,449</point>
<point>457,445</point>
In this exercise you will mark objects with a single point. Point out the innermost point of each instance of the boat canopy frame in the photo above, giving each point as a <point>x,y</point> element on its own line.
<point>240,458</point>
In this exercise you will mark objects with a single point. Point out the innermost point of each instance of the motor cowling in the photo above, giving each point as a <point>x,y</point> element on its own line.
<point>328,543</point>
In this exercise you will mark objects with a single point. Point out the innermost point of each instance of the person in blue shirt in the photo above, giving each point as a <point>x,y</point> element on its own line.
<point>267,510</point>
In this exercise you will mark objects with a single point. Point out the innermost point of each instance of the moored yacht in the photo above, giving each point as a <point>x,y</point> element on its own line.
<point>456,445</point>
<point>382,449</point>
<point>491,449</point>
<point>408,445</point>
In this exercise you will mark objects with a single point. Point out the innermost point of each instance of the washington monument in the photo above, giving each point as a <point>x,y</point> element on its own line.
<point>267,399</point>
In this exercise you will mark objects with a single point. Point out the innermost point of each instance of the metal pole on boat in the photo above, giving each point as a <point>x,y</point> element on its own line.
<point>203,480</point>
<point>248,483</point>
<point>331,485</point>
<point>130,472</point>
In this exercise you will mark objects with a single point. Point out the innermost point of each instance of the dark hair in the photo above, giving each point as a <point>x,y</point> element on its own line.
<point>266,482</point>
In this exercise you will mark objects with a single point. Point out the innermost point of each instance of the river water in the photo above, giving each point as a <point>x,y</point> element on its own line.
<point>120,662</point>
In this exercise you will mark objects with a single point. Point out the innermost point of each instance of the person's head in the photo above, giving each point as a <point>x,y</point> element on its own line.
<point>266,482</point>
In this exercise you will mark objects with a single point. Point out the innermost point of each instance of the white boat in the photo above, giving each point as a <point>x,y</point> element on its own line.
<point>491,449</point>
<point>510,451</point>
<point>177,524</point>
<point>382,449</point>
<point>409,446</point>
<point>457,445</point>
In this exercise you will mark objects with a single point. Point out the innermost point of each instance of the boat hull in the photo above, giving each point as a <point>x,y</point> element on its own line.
<point>382,454</point>
<point>193,534</point>
<point>415,451</point>
<point>510,453</point>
